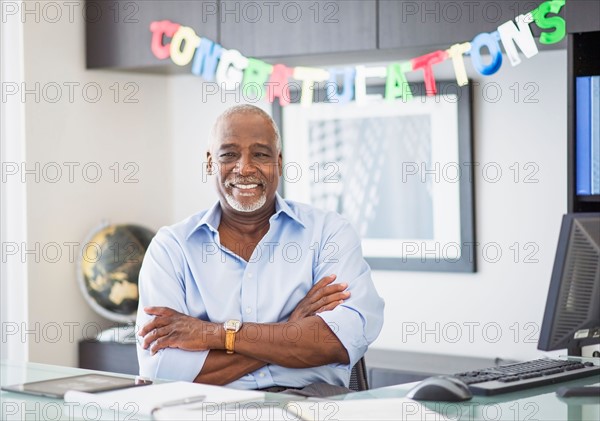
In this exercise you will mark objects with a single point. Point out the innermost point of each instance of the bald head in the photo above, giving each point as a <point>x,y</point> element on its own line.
<point>245,109</point>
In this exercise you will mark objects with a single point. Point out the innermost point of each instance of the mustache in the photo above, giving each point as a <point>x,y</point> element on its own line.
<point>229,182</point>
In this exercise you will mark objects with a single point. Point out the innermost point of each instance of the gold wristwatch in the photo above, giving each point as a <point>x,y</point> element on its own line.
<point>231,328</point>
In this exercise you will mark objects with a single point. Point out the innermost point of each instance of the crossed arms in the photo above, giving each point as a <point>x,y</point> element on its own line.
<point>304,340</point>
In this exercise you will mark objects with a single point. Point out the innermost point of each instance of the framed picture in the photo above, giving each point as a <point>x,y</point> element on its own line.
<point>400,171</point>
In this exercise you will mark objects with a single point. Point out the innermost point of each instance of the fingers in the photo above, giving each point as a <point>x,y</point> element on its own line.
<point>148,327</point>
<point>326,291</point>
<point>326,280</point>
<point>155,323</point>
<point>162,320</point>
<point>160,343</point>
<point>333,297</point>
<point>159,311</point>
<point>329,306</point>
<point>176,331</point>
<point>155,336</point>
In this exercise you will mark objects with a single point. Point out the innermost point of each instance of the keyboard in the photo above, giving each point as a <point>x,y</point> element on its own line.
<point>525,375</point>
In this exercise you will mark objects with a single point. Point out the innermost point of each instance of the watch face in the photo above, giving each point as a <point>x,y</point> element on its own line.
<point>234,325</point>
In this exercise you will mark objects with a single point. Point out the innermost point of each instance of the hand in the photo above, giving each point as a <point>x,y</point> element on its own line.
<point>321,297</point>
<point>171,329</point>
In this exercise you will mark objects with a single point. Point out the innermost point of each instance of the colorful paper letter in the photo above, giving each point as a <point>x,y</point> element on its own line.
<point>187,34</point>
<point>278,86</point>
<point>360,82</point>
<point>347,93</point>
<point>309,76</point>
<point>491,42</point>
<point>231,69</point>
<point>426,63</point>
<point>255,76</point>
<point>160,28</point>
<point>510,35</point>
<point>545,22</point>
<point>206,59</point>
<point>396,85</point>
<point>456,53</point>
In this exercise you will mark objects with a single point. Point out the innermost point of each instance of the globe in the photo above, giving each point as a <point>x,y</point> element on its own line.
<point>109,267</point>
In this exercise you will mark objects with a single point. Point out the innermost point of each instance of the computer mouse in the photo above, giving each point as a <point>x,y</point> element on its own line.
<point>440,388</point>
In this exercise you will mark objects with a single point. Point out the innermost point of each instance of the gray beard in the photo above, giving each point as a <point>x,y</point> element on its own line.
<point>259,203</point>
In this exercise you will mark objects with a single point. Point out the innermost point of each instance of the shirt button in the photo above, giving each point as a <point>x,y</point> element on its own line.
<point>250,275</point>
<point>261,374</point>
<point>248,310</point>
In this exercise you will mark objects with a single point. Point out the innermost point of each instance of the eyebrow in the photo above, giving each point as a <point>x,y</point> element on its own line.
<point>254,145</point>
<point>228,146</point>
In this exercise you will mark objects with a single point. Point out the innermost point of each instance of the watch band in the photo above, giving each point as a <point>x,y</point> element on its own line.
<point>231,328</point>
<point>230,341</point>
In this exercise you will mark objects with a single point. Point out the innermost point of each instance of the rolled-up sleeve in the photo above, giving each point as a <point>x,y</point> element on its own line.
<point>358,321</point>
<point>161,284</point>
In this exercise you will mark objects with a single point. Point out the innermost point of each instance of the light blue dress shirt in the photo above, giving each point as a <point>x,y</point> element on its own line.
<point>187,269</point>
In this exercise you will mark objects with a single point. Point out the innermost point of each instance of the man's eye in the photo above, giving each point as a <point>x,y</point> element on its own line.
<point>260,155</point>
<point>227,155</point>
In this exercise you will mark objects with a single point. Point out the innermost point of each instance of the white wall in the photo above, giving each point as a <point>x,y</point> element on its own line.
<point>505,294</point>
<point>83,132</point>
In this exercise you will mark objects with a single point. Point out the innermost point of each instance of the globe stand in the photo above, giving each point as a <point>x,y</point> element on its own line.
<point>122,334</point>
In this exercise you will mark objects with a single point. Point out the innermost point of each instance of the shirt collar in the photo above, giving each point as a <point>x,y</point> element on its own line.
<point>212,217</point>
<point>281,206</point>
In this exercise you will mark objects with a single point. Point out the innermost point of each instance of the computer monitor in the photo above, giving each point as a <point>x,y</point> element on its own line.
<point>572,316</point>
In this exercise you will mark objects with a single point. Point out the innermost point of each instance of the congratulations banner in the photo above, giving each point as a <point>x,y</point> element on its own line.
<point>232,70</point>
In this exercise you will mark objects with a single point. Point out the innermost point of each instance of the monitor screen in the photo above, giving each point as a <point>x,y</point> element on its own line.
<point>572,316</point>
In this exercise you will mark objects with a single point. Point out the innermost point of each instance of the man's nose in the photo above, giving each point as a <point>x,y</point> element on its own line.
<point>245,166</point>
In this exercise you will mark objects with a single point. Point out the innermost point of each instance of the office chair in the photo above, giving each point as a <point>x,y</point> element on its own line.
<point>358,376</point>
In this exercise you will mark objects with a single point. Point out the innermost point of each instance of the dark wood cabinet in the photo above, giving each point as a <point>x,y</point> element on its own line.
<point>411,23</point>
<point>118,32</point>
<point>582,15</point>
<point>108,356</point>
<point>583,27</point>
<point>405,24</point>
<point>289,28</point>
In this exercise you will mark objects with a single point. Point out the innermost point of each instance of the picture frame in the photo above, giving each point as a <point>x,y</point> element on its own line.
<point>400,171</point>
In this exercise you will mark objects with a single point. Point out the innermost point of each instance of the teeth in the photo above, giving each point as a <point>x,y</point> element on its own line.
<point>246,186</point>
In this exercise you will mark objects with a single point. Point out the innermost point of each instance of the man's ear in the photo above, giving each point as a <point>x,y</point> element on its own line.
<point>280,161</point>
<point>209,163</point>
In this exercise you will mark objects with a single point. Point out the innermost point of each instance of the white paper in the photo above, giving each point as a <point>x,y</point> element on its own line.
<point>363,410</point>
<point>308,410</point>
<point>143,400</point>
<point>248,411</point>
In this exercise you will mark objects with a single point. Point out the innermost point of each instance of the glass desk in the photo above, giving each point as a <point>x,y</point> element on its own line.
<point>19,406</point>
<point>539,404</point>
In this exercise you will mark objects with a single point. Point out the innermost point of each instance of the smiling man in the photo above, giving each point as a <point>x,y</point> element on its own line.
<point>257,292</point>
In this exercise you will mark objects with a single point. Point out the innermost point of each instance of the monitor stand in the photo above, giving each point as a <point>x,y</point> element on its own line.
<point>579,392</point>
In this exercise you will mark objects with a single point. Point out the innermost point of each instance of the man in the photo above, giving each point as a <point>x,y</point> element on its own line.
<point>257,292</point>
